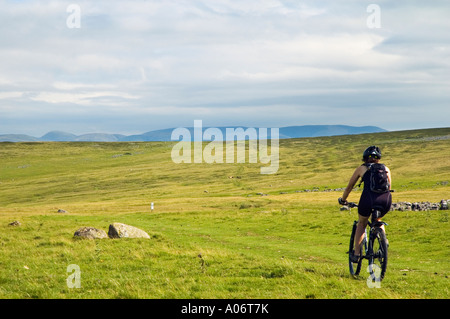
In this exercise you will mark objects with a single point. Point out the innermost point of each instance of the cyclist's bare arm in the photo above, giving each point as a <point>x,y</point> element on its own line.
<point>358,173</point>
<point>389,177</point>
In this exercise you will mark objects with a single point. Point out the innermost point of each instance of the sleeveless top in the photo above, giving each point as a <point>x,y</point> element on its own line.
<point>370,199</point>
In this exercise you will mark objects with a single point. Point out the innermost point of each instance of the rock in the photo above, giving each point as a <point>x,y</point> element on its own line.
<point>118,230</point>
<point>416,206</point>
<point>434,206</point>
<point>14,223</point>
<point>90,233</point>
<point>419,206</point>
<point>62,211</point>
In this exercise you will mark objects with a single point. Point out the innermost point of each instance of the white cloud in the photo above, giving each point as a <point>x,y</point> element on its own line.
<point>10,95</point>
<point>86,98</point>
<point>150,59</point>
<point>80,86</point>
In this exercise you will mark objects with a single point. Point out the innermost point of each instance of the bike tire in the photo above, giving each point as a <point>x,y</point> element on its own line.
<point>354,268</point>
<point>379,257</point>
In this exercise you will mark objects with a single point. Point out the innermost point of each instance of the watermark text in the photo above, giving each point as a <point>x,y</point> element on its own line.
<point>190,148</point>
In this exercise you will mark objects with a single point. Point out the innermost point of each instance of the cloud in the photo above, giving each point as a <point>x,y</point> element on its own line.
<point>10,95</point>
<point>86,98</point>
<point>271,62</point>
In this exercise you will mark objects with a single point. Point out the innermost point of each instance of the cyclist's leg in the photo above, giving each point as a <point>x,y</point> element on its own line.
<point>384,231</point>
<point>382,226</point>
<point>360,230</point>
<point>384,201</point>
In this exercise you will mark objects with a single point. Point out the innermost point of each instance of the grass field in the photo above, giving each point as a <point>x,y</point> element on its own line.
<point>213,236</point>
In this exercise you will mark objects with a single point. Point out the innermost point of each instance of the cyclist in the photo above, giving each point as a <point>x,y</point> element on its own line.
<point>368,198</point>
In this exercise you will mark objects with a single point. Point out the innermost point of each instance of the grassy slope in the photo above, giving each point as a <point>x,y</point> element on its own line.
<point>277,246</point>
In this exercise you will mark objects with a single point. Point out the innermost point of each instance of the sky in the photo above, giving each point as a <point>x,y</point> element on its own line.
<point>130,67</point>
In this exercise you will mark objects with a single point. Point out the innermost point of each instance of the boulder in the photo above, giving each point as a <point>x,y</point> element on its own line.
<point>118,230</point>
<point>14,223</point>
<point>419,206</point>
<point>90,233</point>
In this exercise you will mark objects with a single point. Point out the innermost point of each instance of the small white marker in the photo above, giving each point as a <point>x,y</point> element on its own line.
<point>152,206</point>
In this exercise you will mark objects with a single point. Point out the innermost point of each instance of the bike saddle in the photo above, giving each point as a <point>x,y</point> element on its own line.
<point>376,213</point>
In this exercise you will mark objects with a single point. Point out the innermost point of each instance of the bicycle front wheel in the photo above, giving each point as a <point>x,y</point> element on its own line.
<point>379,257</point>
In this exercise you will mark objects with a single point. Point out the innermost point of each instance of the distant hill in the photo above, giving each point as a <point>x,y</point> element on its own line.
<point>326,130</point>
<point>165,134</point>
<point>285,132</point>
<point>152,136</point>
<point>100,137</point>
<point>17,138</point>
<point>58,136</point>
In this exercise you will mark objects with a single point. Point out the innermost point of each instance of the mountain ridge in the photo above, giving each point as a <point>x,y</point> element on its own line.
<point>165,134</point>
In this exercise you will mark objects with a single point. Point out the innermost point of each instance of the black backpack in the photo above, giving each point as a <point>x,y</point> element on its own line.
<point>379,182</point>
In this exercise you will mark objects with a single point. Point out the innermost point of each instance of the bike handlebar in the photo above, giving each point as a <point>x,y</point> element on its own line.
<point>349,204</point>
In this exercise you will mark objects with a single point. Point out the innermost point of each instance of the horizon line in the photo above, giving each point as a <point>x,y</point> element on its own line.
<point>205,127</point>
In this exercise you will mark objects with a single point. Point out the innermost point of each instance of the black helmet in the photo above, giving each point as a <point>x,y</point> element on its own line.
<point>372,152</point>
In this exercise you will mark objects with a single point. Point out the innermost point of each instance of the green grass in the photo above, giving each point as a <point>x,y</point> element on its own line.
<point>212,236</point>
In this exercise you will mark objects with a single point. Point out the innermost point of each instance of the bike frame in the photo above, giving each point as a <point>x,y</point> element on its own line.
<point>372,225</point>
<point>367,247</point>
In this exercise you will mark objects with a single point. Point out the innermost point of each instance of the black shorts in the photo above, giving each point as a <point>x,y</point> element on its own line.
<point>369,200</point>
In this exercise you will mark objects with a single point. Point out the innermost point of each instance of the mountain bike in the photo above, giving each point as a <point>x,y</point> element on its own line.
<point>374,247</point>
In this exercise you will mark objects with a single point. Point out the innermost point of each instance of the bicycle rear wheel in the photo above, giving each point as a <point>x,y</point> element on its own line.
<point>379,257</point>
<point>354,268</point>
